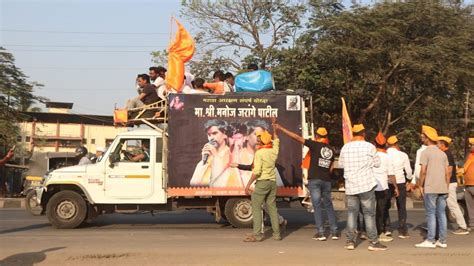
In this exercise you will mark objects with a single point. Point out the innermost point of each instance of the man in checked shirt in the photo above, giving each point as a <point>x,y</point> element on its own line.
<point>358,158</point>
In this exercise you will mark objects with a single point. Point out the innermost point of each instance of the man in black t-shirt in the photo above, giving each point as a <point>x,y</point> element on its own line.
<point>319,179</point>
<point>148,93</point>
<point>452,201</point>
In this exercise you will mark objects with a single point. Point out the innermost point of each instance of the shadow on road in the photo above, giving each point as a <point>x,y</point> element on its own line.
<point>25,228</point>
<point>29,258</point>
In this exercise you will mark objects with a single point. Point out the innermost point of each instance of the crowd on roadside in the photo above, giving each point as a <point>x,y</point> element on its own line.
<point>374,173</point>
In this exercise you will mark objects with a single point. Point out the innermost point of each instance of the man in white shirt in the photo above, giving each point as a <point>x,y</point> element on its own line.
<point>417,170</point>
<point>157,78</point>
<point>157,75</point>
<point>359,158</point>
<point>402,171</point>
<point>383,175</point>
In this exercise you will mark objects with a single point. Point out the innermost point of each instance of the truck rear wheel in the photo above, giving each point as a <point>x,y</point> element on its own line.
<point>66,209</point>
<point>238,212</point>
<point>32,205</point>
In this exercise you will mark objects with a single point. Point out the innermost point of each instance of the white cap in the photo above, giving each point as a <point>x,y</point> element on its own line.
<point>101,149</point>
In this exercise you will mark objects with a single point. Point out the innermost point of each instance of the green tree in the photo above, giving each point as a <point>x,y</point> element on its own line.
<point>16,95</point>
<point>227,31</point>
<point>398,65</point>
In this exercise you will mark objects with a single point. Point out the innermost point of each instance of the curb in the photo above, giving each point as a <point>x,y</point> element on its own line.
<point>338,202</point>
<point>12,203</point>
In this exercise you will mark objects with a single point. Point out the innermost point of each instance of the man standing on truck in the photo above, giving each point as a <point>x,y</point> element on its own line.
<point>264,173</point>
<point>319,179</point>
<point>359,158</point>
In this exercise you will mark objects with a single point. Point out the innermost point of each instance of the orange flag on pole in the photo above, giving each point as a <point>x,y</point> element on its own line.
<point>179,52</point>
<point>346,123</point>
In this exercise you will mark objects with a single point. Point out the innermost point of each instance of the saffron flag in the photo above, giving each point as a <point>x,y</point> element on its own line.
<point>180,51</point>
<point>346,123</point>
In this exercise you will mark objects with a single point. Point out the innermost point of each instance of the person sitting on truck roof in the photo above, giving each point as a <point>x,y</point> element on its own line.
<point>217,87</point>
<point>148,94</point>
<point>157,75</point>
<point>229,82</point>
<point>198,85</point>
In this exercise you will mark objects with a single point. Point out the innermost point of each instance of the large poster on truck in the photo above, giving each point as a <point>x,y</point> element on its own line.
<point>209,132</point>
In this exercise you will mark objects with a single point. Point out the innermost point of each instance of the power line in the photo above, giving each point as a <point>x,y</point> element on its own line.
<point>85,32</point>
<point>84,68</point>
<point>84,46</point>
<point>76,51</point>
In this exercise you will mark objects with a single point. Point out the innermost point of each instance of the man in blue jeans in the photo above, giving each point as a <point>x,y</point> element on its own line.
<point>359,158</point>
<point>321,158</point>
<point>434,185</point>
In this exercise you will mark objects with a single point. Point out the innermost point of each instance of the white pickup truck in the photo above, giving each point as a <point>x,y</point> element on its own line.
<point>186,165</point>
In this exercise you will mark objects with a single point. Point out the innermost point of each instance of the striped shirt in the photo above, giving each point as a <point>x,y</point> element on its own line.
<point>358,158</point>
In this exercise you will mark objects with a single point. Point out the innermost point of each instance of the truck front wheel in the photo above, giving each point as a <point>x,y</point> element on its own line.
<point>238,212</point>
<point>66,209</point>
<point>32,205</point>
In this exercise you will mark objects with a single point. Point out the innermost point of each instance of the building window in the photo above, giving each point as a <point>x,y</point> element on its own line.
<point>108,142</point>
<point>69,143</point>
<point>27,139</point>
<point>92,141</point>
<point>18,139</point>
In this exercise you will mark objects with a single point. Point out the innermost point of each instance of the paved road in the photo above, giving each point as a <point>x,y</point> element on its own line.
<point>191,237</point>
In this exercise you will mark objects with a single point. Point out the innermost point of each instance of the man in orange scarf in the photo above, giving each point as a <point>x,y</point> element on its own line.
<point>452,200</point>
<point>264,173</point>
<point>469,183</point>
<point>321,158</point>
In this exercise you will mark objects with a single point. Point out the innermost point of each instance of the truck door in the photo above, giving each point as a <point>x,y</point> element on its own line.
<point>131,173</point>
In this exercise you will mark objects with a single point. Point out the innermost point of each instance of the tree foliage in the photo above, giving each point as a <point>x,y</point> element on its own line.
<point>16,95</point>
<point>227,31</point>
<point>398,65</point>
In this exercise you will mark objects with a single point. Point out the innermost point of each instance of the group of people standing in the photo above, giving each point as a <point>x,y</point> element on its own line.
<point>374,174</point>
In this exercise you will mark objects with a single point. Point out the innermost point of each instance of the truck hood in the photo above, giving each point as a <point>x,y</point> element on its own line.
<point>71,169</point>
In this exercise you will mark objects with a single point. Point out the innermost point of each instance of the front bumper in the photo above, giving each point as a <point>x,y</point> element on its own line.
<point>39,193</point>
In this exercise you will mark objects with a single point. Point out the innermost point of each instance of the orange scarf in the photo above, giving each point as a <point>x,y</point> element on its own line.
<point>469,162</point>
<point>307,158</point>
<point>267,146</point>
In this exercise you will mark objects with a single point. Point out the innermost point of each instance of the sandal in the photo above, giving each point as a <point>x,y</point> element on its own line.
<point>252,238</point>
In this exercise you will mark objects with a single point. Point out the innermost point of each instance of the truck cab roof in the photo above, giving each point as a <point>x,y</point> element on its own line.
<point>141,132</point>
